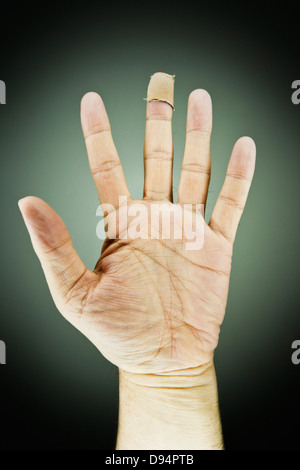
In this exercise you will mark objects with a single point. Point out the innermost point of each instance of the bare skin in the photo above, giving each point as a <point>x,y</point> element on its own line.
<point>151,307</point>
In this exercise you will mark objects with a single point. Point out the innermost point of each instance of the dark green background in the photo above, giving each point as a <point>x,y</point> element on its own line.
<point>57,391</point>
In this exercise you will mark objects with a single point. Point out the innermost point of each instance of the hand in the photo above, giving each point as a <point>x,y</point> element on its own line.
<point>150,306</point>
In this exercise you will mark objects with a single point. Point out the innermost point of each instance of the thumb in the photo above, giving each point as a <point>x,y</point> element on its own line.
<point>52,243</point>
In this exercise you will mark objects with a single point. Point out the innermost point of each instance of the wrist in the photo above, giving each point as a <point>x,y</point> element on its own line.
<point>201,376</point>
<point>177,410</point>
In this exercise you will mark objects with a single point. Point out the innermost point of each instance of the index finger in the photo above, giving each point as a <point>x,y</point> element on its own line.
<point>103,157</point>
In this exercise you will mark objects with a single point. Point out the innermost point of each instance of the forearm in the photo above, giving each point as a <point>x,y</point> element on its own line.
<point>169,412</point>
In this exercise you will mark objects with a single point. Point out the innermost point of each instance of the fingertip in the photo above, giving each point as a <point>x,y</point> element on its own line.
<point>21,202</point>
<point>244,155</point>
<point>93,113</point>
<point>161,88</point>
<point>43,223</point>
<point>199,111</point>
<point>90,98</point>
<point>246,144</point>
<point>29,209</point>
<point>35,210</point>
<point>198,95</point>
<point>27,203</point>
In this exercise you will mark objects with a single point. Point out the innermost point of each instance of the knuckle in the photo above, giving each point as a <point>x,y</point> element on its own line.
<point>196,168</point>
<point>233,202</point>
<point>105,166</point>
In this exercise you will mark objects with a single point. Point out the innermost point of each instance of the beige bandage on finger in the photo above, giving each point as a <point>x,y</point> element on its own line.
<point>161,88</point>
<point>158,148</point>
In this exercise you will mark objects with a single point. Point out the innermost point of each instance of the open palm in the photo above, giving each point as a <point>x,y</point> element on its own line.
<point>150,305</point>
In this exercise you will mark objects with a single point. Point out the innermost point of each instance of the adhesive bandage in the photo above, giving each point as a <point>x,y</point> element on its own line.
<point>161,88</point>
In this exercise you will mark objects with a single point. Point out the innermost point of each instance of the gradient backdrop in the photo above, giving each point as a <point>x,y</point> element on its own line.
<point>57,391</point>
